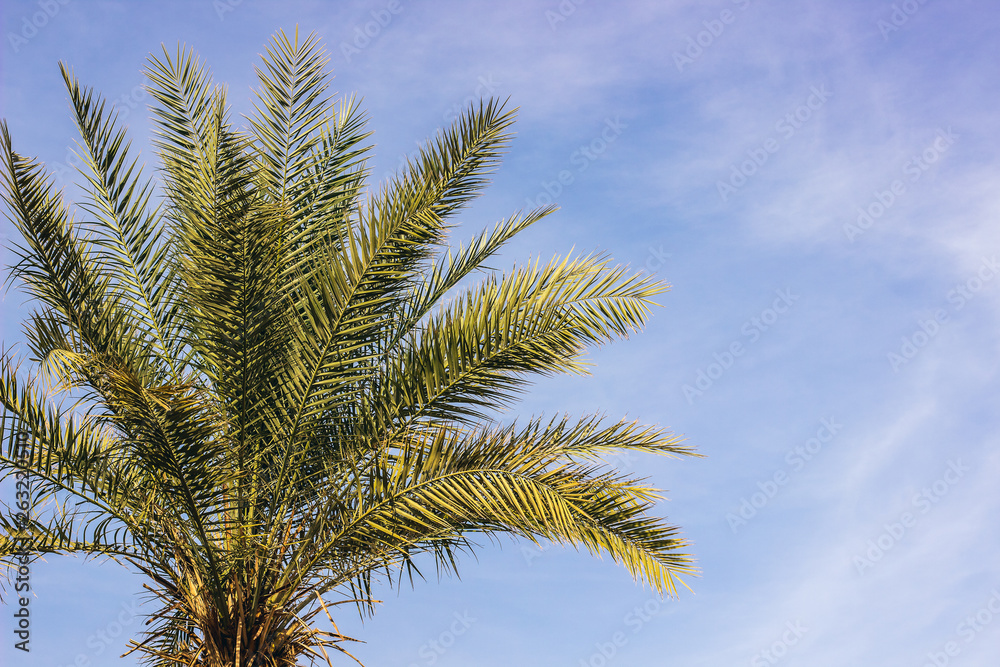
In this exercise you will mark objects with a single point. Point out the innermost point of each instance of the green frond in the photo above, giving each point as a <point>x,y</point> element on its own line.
<point>59,267</point>
<point>523,481</point>
<point>127,233</point>
<point>447,272</point>
<point>364,279</point>
<point>323,199</point>
<point>186,110</point>
<point>479,352</point>
<point>291,111</point>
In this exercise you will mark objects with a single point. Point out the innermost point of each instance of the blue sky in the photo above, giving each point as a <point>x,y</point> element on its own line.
<point>816,181</point>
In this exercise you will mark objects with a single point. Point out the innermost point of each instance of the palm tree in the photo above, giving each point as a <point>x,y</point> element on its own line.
<point>277,387</point>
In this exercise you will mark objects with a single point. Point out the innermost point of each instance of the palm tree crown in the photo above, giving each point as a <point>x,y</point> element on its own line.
<point>282,384</point>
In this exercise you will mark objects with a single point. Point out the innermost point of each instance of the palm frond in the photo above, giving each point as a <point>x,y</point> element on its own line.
<point>524,481</point>
<point>479,352</point>
<point>128,234</point>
